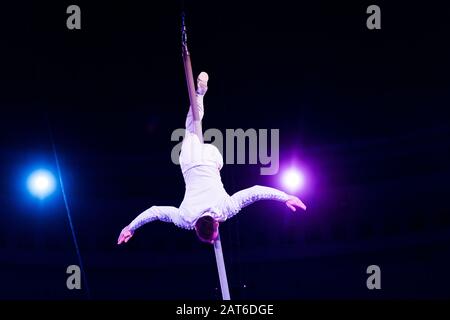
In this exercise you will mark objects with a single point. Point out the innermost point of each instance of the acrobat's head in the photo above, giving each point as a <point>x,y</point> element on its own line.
<point>207,229</point>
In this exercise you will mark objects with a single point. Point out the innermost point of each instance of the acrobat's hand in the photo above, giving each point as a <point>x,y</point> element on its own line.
<point>125,235</point>
<point>293,202</point>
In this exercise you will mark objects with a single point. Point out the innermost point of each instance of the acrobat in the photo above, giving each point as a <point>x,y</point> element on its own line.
<point>206,204</point>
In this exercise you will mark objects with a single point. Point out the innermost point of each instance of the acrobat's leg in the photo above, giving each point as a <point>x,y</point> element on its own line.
<point>191,150</point>
<point>195,116</point>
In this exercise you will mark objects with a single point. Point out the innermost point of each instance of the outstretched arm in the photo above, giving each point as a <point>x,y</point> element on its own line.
<point>163,213</point>
<point>248,196</point>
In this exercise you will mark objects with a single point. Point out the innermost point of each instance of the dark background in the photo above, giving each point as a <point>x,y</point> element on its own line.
<point>364,112</point>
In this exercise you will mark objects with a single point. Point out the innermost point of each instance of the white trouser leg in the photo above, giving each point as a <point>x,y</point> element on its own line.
<point>190,118</point>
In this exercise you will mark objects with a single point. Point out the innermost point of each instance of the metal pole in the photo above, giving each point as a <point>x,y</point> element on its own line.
<point>198,128</point>
<point>221,268</point>
<point>190,82</point>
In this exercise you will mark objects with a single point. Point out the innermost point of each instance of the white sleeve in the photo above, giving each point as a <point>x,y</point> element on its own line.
<point>246,197</point>
<point>163,213</point>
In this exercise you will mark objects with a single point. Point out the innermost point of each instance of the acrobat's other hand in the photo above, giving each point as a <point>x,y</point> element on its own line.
<point>125,235</point>
<point>294,202</point>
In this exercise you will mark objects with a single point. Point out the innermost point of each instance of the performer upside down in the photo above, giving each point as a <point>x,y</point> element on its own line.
<point>205,203</point>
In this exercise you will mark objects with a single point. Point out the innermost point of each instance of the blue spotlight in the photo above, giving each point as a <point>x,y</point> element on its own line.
<point>41,183</point>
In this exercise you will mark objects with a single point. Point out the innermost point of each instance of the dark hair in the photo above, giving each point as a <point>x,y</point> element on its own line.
<point>206,228</point>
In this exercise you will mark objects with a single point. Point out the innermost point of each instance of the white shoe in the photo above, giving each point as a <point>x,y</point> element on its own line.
<point>202,83</point>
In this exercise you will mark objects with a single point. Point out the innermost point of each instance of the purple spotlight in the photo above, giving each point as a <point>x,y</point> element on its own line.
<point>293,179</point>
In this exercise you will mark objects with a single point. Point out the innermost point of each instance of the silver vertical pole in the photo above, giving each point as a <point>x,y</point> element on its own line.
<point>198,128</point>
<point>221,268</point>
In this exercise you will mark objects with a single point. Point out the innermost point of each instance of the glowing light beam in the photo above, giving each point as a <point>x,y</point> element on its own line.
<point>293,179</point>
<point>41,183</point>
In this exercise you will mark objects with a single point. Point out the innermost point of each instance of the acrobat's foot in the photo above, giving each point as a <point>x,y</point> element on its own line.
<point>202,83</point>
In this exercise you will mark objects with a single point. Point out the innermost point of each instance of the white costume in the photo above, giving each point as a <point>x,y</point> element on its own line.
<point>205,195</point>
